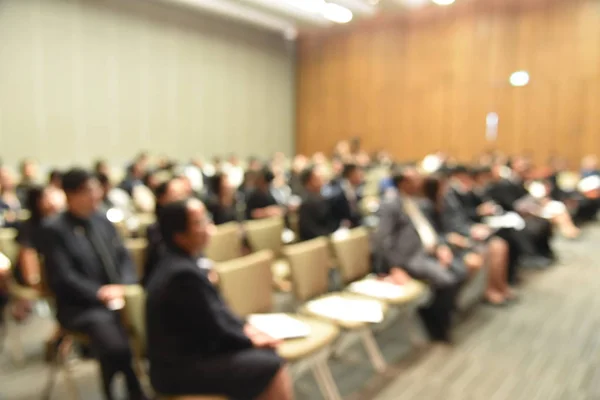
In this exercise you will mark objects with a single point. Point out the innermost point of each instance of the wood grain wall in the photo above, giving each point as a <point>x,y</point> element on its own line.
<point>427,80</point>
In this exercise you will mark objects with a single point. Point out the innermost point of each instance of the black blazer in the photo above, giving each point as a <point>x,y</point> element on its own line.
<point>315,217</point>
<point>187,321</point>
<point>340,205</point>
<point>459,212</point>
<point>506,192</point>
<point>74,270</point>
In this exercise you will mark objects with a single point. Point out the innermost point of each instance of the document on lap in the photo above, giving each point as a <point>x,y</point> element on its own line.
<point>279,326</point>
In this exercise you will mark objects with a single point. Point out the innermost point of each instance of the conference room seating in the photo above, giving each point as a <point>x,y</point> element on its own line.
<point>245,283</point>
<point>225,243</point>
<point>309,267</point>
<point>266,234</point>
<point>137,251</point>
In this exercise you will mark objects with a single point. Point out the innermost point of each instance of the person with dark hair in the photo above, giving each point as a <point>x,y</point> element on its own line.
<point>222,203</point>
<point>406,241</point>
<point>10,205</point>
<point>28,271</point>
<point>314,215</point>
<point>28,171</point>
<point>345,195</point>
<point>196,345</point>
<point>166,192</point>
<point>260,203</point>
<point>87,266</point>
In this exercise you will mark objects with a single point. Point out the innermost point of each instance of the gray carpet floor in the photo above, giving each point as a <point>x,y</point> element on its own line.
<point>545,347</point>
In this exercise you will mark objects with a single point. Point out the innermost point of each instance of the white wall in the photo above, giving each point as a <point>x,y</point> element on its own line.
<point>81,79</point>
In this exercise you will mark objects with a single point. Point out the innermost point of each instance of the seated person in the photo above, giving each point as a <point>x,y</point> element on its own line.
<point>405,240</point>
<point>506,190</point>
<point>28,271</point>
<point>260,203</point>
<point>5,265</point>
<point>196,345</point>
<point>87,266</point>
<point>314,216</point>
<point>461,237</point>
<point>10,205</point>
<point>345,195</point>
<point>434,188</point>
<point>222,201</point>
<point>166,192</point>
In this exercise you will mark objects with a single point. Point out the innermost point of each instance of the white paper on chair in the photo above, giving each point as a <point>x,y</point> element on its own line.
<point>379,289</point>
<point>279,326</point>
<point>589,183</point>
<point>508,220</point>
<point>552,209</point>
<point>355,310</point>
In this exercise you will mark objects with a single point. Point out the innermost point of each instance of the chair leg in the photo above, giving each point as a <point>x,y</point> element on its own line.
<point>331,389</point>
<point>373,350</point>
<point>64,350</point>
<point>15,346</point>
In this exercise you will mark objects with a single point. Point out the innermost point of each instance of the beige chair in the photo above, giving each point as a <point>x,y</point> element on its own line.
<point>265,234</point>
<point>246,285</point>
<point>8,244</point>
<point>225,243</point>
<point>353,254</point>
<point>144,221</point>
<point>137,250</point>
<point>309,265</point>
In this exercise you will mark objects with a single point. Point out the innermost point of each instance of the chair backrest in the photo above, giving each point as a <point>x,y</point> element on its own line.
<point>265,234</point>
<point>225,243</point>
<point>246,283</point>
<point>137,250</point>
<point>353,253</point>
<point>134,316</point>
<point>310,262</point>
<point>8,244</point>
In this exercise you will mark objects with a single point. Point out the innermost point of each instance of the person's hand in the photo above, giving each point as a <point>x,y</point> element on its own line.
<point>486,209</point>
<point>444,255</point>
<point>397,276</point>
<point>458,240</point>
<point>213,277</point>
<point>480,232</point>
<point>274,211</point>
<point>108,293</point>
<point>10,216</point>
<point>260,339</point>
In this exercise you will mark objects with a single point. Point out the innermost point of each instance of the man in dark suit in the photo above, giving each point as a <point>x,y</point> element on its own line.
<point>506,188</point>
<point>345,194</point>
<point>87,267</point>
<point>314,215</point>
<point>464,212</point>
<point>406,240</point>
<point>196,345</point>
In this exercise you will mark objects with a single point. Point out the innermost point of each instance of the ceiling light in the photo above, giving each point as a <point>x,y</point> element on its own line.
<point>337,13</point>
<point>313,6</point>
<point>443,2</point>
<point>519,78</point>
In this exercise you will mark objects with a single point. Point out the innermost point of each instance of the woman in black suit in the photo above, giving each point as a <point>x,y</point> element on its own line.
<point>222,202</point>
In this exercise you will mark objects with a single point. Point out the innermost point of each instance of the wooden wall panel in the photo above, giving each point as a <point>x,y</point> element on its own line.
<point>426,81</point>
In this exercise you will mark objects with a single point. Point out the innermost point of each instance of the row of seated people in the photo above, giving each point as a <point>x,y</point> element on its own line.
<point>413,239</point>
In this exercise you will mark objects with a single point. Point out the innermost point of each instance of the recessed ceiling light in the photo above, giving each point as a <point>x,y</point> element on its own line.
<point>443,2</point>
<point>337,13</point>
<point>519,78</point>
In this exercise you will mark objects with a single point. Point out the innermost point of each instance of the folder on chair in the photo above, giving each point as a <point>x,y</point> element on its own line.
<point>348,309</point>
<point>378,289</point>
<point>279,326</point>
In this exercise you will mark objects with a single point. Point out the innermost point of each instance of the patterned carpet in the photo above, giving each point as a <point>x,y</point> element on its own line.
<point>545,347</point>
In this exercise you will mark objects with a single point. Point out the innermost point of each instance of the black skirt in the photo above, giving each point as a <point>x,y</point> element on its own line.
<point>242,375</point>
